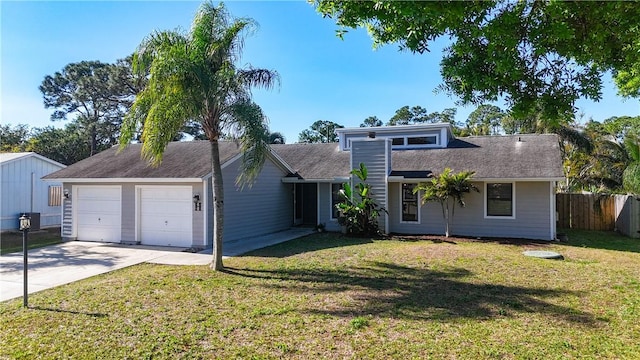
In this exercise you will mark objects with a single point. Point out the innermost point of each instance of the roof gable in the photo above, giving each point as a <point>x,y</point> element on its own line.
<point>6,158</point>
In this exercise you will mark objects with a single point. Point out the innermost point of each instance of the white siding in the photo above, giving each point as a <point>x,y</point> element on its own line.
<point>532,220</point>
<point>15,196</point>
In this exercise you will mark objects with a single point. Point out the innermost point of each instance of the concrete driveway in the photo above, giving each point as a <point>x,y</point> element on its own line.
<point>64,263</point>
<point>75,260</point>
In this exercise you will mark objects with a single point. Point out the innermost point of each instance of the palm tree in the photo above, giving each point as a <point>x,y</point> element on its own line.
<point>193,77</point>
<point>276,138</point>
<point>447,188</point>
<point>631,175</point>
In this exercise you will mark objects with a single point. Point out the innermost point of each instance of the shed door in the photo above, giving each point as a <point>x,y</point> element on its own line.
<point>165,215</point>
<point>98,213</point>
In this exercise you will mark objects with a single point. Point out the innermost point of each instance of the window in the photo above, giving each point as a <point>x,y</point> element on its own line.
<point>397,141</point>
<point>423,140</point>
<point>55,195</point>
<point>500,200</point>
<point>335,199</point>
<point>410,208</point>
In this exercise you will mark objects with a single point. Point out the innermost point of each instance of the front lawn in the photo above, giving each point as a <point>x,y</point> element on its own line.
<point>12,241</point>
<point>327,296</point>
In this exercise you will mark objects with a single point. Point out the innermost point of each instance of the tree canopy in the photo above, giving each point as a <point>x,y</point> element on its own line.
<point>96,94</point>
<point>539,56</point>
<point>321,131</point>
<point>194,78</point>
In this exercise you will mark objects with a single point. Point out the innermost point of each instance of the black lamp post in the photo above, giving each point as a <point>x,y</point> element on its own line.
<point>25,224</point>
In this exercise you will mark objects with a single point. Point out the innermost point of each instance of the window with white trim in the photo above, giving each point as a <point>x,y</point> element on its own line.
<point>335,199</point>
<point>410,209</point>
<point>499,200</point>
<point>55,195</point>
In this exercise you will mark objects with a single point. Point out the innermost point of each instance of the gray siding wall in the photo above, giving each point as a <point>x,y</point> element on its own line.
<point>373,153</point>
<point>532,220</point>
<point>15,187</point>
<point>128,211</point>
<point>264,208</point>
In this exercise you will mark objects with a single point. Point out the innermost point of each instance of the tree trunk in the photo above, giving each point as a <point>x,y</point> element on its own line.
<point>218,206</point>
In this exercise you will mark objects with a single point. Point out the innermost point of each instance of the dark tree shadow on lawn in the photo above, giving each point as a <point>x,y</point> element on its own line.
<point>605,240</point>
<point>397,291</point>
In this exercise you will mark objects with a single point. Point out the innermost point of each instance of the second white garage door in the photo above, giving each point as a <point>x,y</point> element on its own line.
<point>165,215</point>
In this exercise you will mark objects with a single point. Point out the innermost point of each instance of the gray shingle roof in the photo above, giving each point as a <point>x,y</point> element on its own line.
<point>190,159</point>
<point>315,161</point>
<point>536,156</point>
<point>533,157</point>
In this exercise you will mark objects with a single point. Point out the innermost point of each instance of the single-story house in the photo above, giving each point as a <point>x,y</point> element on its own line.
<point>114,196</point>
<point>23,191</point>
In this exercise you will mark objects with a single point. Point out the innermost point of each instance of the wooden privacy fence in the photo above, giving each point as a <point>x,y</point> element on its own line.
<point>586,211</point>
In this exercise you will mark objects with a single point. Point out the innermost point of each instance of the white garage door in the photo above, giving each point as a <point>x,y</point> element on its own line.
<point>165,215</point>
<point>98,213</point>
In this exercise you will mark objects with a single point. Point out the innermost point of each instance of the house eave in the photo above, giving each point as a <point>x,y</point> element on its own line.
<point>126,180</point>
<point>293,180</point>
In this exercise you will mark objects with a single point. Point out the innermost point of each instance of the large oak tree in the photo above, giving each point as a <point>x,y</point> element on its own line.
<point>539,56</point>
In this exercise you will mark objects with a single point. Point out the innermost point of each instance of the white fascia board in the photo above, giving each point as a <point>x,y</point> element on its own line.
<point>126,180</point>
<point>364,130</point>
<point>517,179</point>
<point>407,180</point>
<point>297,180</point>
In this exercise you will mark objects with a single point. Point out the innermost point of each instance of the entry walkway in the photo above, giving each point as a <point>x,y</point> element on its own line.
<point>71,261</point>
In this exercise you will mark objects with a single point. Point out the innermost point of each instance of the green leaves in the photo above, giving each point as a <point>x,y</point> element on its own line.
<point>538,56</point>
<point>358,211</point>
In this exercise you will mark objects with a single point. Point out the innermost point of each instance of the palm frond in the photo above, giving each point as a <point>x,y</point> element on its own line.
<point>251,130</point>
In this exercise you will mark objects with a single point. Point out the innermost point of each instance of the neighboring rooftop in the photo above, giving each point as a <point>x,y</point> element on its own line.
<point>9,157</point>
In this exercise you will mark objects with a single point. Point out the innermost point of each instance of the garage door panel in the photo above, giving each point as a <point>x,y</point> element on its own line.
<point>166,215</point>
<point>86,205</point>
<point>102,220</point>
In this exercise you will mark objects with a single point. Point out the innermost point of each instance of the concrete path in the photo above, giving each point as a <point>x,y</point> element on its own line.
<point>75,260</point>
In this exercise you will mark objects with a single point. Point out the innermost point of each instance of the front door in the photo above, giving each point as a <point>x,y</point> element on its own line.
<point>306,204</point>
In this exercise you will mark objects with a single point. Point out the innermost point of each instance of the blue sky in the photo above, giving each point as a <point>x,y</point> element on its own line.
<point>323,78</point>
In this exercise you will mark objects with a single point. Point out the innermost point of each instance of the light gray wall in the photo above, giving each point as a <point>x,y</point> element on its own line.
<point>15,196</point>
<point>532,220</point>
<point>264,208</point>
<point>373,153</point>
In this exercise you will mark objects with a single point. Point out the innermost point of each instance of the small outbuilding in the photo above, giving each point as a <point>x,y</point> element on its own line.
<point>24,191</point>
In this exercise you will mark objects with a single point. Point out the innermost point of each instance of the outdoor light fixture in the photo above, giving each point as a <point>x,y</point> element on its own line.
<point>196,198</point>
<point>25,222</point>
<point>66,193</point>
<point>197,205</point>
<point>25,225</point>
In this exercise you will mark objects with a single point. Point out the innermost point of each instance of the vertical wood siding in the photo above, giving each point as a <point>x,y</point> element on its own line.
<point>15,187</point>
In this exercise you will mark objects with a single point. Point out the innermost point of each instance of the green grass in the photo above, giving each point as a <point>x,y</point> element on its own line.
<point>601,240</point>
<point>328,296</point>
<point>11,242</point>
